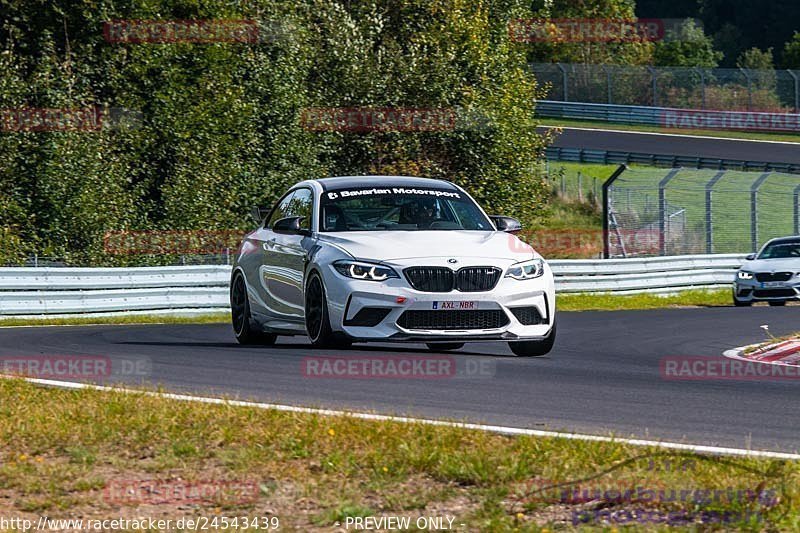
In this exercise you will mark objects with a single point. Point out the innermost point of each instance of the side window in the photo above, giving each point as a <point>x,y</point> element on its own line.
<point>302,205</point>
<point>281,211</point>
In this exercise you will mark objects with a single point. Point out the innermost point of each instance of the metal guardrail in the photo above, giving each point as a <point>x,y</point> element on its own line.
<point>609,157</point>
<point>46,291</point>
<point>655,274</point>
<point>617,114</point>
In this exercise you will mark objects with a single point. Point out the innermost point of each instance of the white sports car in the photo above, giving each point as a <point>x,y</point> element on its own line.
<point>772,275</point>
<point>384,258</point>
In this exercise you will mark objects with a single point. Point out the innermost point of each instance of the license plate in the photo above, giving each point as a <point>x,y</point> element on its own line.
<point>771,284</point>
<point>463,305</point>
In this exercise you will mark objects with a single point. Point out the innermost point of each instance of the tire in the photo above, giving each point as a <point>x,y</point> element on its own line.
<point>739,303</point>
<point>444,346</point>
<point>534,348</point>
<point>318,324</point>
<point>777,304</point>
<point>241,319</point>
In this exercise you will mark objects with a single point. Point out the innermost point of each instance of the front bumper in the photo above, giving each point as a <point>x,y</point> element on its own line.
<point>346,297</point>
<point>755,291</point>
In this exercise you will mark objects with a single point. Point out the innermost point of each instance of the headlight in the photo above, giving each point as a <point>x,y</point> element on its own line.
<point>744,275</point>
<point>526,270</point>
<point>360,270</point>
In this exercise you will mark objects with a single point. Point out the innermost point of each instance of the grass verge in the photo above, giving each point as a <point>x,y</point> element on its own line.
<point>66,454</point>
<point>745,135</point>
<point>612,302</point>
<point>210,318</point>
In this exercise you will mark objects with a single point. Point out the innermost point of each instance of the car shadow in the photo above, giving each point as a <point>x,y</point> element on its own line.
<point>278,346</point>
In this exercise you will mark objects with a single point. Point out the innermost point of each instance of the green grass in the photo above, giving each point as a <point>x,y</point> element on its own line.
<point>763,136</point>
<point>612,302</point>
<point>205,318</point>
<point>61,450</point>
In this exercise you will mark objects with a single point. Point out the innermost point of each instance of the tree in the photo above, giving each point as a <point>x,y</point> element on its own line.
<point>791,52</point>
<point>756,59</point>
<point>688,46</point>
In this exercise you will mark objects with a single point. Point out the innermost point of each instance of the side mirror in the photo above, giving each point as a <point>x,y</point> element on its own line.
<point>750,257</point>
<point>290,226</point>
<point>258,213</point>
<point>507,224</point>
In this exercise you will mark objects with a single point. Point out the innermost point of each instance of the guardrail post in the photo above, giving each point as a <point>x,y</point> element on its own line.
<point>607,208</point>
<point>796,91</point>
<point>797,210</point>
<point>754,209</point>
<point>749,89</point>
<point>563,80</point>
<point>709,218</point>
<point>662,210</point>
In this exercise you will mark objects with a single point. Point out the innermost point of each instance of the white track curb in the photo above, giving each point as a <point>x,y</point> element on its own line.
<point>503,430</point>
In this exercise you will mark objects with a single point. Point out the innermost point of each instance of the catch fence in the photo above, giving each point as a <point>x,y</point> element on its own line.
<point>679,211</point>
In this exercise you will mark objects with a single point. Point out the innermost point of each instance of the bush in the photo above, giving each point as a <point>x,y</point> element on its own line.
<point>219,126</point>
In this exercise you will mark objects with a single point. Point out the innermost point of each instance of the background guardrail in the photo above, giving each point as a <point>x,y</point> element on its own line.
<point>609,157</point>
<point>46,291</point>
<point>671,117</point>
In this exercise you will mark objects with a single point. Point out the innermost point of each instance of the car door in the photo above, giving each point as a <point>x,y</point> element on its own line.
<point>259,263</point>
<point>289,257</point>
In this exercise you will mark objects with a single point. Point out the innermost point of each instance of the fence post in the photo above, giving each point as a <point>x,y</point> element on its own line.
<point>749,89</point>
<point>608,82</point>
<point>607,208</point>
<point>709,219</point>
<point>563,80</point>
<point>580,186</point>
<point>654,73</point>
<point>797,210</point>
<point>796,91</point>
<point>754,209</point>
<point>702,88</point>
<point>662,210</point>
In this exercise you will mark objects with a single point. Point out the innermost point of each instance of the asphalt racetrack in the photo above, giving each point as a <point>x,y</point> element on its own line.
<point>603,375</point>
<point>678,145</point>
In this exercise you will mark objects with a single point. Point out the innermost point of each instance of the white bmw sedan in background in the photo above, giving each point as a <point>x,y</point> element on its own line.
<point>772,275</point>
<point>384,258</point>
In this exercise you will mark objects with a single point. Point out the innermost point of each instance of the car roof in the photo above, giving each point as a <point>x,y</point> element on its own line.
<point>784,240</point>
<point>346,182</point>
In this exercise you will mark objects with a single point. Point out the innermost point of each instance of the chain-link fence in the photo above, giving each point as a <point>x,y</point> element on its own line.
<point>144,260</point>
<point>678,87</point>
<point>689,211</point>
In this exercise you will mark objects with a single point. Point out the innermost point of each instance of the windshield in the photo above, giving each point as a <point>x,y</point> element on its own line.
<point>781,250</point>
<point>400,209</point>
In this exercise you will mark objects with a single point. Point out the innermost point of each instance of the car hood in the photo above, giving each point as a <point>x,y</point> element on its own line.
<point>768,265</point>
<point>403,245</point>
